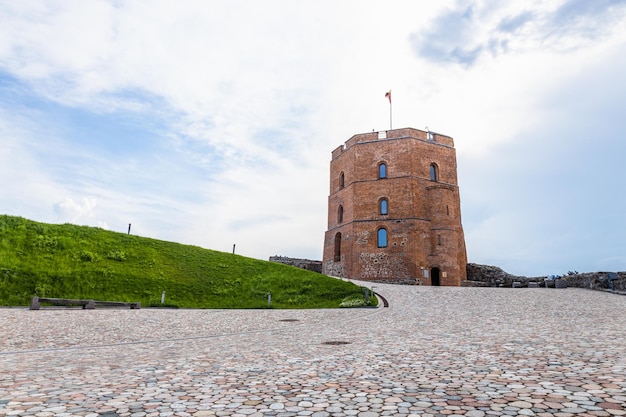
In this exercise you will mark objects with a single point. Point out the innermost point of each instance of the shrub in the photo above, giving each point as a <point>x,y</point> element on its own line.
<point>117,255</point>
<point>87,256</point>
<point>352,301</point>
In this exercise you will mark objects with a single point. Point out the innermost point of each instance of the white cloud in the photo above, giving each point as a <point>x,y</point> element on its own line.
<point>494,28</point>
<point>70,211</point>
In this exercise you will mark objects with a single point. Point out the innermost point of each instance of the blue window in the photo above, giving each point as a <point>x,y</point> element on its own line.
<point>384,209</point>
<point>434,175</point>
<point>382,238</point>
<point>382,170</point>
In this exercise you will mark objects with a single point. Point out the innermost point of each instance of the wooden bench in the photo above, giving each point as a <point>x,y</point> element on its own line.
<point>35,303</point>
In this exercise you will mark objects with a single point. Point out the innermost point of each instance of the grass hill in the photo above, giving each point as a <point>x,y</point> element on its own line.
<point>68,261</point>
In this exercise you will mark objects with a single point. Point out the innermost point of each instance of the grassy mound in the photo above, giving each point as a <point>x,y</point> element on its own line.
<point>68,261</point>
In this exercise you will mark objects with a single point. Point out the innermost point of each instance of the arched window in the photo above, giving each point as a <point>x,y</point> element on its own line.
<point>342,180</point>
<point>383,206</point>
<point>434,172</point>
<point>382,237</point>
<point>382,170</point>
<point>340,214</point>
<point>338,247</point>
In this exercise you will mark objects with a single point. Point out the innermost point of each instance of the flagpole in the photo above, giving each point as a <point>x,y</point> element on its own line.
<point>388,95</point>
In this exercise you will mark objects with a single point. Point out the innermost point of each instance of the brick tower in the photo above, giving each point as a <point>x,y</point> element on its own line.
<point>394,210</point>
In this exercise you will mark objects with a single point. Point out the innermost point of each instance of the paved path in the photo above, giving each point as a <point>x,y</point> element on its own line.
<point>433,352</point>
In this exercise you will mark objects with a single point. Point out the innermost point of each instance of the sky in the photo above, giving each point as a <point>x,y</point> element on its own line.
<point>212,123</point>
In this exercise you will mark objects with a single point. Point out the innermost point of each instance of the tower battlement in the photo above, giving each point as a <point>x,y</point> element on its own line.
<point>406,133</point>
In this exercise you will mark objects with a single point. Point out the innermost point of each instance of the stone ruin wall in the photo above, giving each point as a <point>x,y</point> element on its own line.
<point>308,264</point>
<point>492,276</point>
<point>595,281</point>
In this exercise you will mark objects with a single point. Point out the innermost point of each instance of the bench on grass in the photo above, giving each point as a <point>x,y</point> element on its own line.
<point>35,303</point>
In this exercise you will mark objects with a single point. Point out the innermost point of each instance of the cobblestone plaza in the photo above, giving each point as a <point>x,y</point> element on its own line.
<point>435,351</point>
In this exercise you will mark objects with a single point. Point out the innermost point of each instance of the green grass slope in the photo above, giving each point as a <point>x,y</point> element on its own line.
<point>67,261</point>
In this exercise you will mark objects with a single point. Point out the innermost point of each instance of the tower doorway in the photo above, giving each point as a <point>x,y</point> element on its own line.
<point>434,277</point>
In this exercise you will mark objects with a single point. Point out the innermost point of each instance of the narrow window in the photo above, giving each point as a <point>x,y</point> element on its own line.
<point>340,214</point>
<point>434,175</point>
<point>382,238</point>
<point>382,170</point>
<point>384,206</point>
<point>448,210</point>
<point>439,240</point>
<point>338,247</point>
<point>342,180</point>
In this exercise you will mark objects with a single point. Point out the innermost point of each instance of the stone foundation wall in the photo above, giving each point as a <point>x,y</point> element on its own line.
<point>397,281</point>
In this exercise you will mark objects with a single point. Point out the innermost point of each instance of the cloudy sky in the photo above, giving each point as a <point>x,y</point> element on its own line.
<point>212,122</point>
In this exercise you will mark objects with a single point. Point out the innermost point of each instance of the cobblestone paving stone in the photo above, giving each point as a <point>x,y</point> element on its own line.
<point>434,352</point>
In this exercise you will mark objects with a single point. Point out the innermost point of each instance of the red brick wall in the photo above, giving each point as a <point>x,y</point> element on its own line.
<point>424,216</point>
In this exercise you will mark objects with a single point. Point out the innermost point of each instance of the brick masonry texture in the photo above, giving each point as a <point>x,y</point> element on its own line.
<point>425,241</point>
